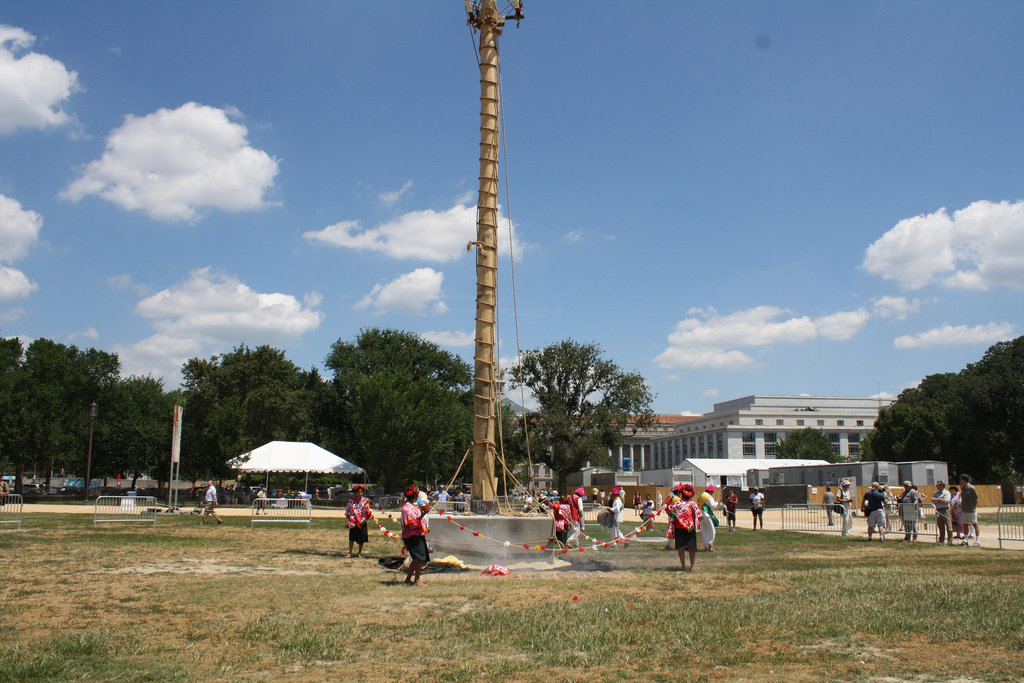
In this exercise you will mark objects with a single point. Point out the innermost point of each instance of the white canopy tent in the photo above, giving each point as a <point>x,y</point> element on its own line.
<point>294,456</point>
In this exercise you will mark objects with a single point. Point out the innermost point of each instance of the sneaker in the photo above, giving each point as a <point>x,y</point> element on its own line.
<point>964,542</point>
<point>977,543</point>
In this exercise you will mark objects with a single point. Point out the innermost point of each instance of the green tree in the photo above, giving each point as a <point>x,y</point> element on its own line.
<point>402,405</point>
<point>807,444</point>
<point>972,419</point>
<point>237,402</point>
<point>584,403</point>
<point>51,392</point>
<point>136,438</point>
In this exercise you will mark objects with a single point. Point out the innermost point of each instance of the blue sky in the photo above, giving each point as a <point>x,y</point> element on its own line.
<point>729,198</point>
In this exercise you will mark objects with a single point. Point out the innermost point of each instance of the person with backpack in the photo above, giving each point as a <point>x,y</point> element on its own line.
<point>684,518</point>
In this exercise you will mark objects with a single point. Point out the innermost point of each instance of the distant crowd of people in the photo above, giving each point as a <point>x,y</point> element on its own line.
<point>956,510</point>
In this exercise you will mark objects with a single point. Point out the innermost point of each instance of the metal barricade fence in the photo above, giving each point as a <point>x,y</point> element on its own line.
<point>297,510</point>
<point>389,502</point>
<point>125,509</point>
<point>812,517</point>
<point>11,506</point>
<point>925,518</point>
<point>591,511</point>
<point>1010,519</point>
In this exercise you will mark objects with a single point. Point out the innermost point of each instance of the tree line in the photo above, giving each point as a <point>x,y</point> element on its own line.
<point>393,403</point>
<point>972,419</point>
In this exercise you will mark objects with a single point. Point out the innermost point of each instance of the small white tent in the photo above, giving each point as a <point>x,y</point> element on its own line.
<point>295,456</point>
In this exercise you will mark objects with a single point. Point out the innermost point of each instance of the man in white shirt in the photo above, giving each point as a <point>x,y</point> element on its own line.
<point>210,503</point>
<point>757,507</point>
<point>940,499</point>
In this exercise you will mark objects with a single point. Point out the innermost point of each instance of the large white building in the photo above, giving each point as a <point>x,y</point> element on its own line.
<point>752,427</point>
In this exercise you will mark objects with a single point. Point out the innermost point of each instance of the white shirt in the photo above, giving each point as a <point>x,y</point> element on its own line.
<point>616,507</point>
<point>940,499</point>
<point>757,500</point>
<point>211,494</point>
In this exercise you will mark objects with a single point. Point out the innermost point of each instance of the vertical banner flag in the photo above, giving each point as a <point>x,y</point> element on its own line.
<point>176,436</point>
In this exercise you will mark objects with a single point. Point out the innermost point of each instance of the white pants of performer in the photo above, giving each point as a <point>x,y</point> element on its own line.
<point>707,531</point>
<point>574,533</point>
<point>616,534</point>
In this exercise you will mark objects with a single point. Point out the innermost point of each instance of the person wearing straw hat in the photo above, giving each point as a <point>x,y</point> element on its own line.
<point>357,512</point>
<point>414,534</point>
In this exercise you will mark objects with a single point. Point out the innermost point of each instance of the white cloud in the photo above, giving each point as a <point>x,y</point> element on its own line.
<point>978,247</point>
<point>393,196</point>
<point>573,236</point>
<point>895,307</point>
<point>710,393</point>
<point>14,284</point>
<point>175,163</point>
<point>209,313</point>
<point>711,340</point>
<point>19,229</point>
<point>705,342</point>
<point>449,338</point>
<point>32,86</point>
<point>428,235</point>
<point>842,325</point>
<point>88,333</point>
<point>416,292</point>
<point>11,315</point>
<point>124,281</point>
<point>956,335</point>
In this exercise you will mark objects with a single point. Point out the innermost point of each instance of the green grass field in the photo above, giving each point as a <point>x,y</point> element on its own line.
<point>184,602</point>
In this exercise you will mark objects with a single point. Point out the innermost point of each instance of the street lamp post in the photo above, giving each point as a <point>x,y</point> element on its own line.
<point>93,410</point>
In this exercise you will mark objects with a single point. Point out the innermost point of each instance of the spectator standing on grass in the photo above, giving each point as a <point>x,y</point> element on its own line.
<point>829,501</point>
<point>414,534</point>
<point>4,490</point>
<point>846,502</point>
<point>660,499</point>
<point>684,518</point>
<point>442,499</point>
<point>757,507</point>
<point>210,504</point>
<point>637,501</point>
<point>358,512</point>
<point>873,507</point>
<point>261,501</point>
<point>731,501</point>
<point>954,511</point>
<point>969,510</point>
<point>940,499</point>
<point>910,508</point>
<point>647,508</point>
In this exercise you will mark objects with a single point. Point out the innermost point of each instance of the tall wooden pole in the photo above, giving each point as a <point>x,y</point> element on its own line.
<point>484,480</point>
<point>489,23</point>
